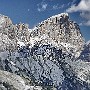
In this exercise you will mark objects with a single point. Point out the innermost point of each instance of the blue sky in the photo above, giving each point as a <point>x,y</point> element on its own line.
<point>35,11</point>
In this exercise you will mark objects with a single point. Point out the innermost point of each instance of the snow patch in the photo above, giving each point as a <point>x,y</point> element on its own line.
<point>59,15</point>
<point>67,45</point>
<point>12,63</point>
<point>20,43</point>
<point>4,55</point>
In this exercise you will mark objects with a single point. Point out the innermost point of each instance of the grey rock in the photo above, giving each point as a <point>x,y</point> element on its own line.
<point>85,55</point>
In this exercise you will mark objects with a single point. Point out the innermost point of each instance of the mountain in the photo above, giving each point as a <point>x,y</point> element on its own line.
<point>43,58</point>
<point>60,31</point>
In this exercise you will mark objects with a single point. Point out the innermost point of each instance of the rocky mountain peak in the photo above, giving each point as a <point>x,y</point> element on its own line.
<point>61,32</point>
<point>57,30</point>
<point>5,21</point>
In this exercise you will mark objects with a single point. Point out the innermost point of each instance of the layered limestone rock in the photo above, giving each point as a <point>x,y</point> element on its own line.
<point>7,34</point>
<point>22,32</point>
<point>12,35</point>
<point>4,21</point>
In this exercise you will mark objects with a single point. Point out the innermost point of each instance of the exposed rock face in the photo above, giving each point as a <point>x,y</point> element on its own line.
<point>85,55</point>
<point>11,35</point>
<point>22,32</point>
<point>45,57</point>
<point>4,22</point>
<point>10,81</point>
<point>57,30</point>
<point>6,34</point>
<point>60,31</point>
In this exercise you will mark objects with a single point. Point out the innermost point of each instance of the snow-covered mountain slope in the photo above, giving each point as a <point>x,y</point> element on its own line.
<point>9,81</point>
<point>85,55</point>
<point>47,66</point>
<point>45,56</point>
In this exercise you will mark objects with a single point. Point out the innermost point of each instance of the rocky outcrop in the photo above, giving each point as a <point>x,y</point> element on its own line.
<point>85,55</point>
<point>9,81</point>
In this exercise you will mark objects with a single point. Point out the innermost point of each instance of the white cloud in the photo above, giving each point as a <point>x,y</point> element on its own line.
<point>87,23</point>
<point>42,6</point>
<point>84,5</point>
<point>28,10</point>
<point>55,7</point>
<point>84,8</point>
<point>80,24</point>
<point>58,7</point>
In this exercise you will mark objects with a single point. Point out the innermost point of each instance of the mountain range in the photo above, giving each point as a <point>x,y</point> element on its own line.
<point>51,56</point>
